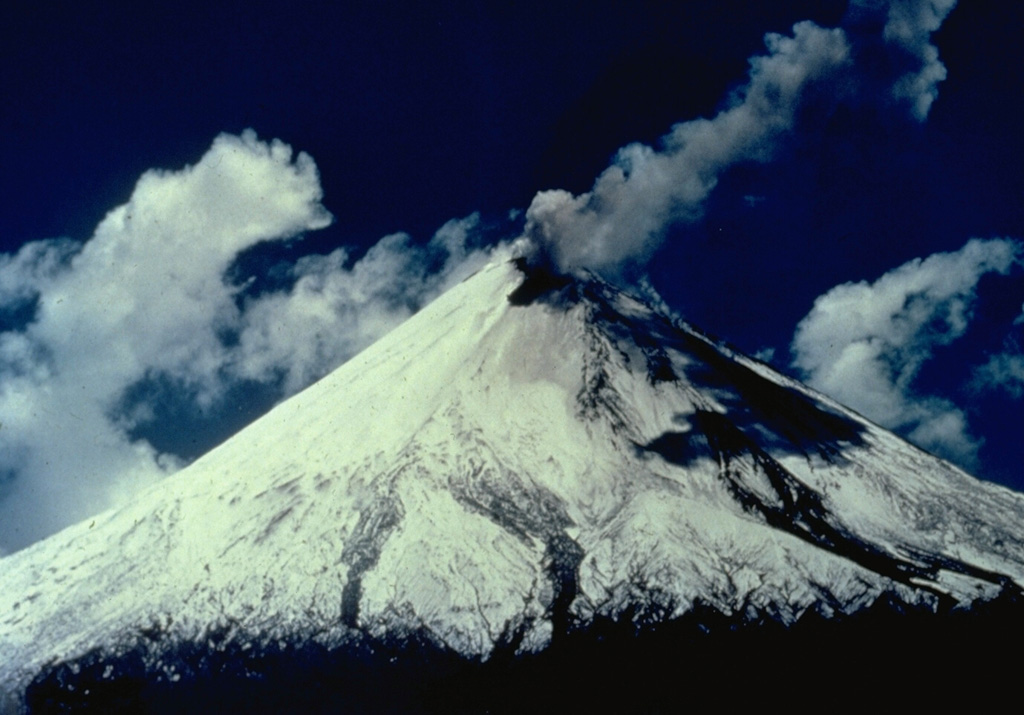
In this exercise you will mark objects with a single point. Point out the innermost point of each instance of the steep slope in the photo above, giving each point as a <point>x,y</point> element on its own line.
<point>524,457</point>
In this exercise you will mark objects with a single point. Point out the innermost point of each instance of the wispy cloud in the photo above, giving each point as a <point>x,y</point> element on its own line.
<point>147,297</point>
<point>798,84</point>
<point>865,343</point>
<point>1004,371</point>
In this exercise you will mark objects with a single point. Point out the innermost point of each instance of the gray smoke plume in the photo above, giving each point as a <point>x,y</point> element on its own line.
<point>623,218</point>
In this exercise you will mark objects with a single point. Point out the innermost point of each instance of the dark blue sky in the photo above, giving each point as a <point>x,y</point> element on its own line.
<point>419,113</point>
<point>440,109</point>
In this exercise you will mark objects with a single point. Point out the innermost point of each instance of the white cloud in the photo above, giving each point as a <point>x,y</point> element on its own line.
<point>34,264</point>
<point>865,343</point>
<point>147,297</point>
<point>622,219</point>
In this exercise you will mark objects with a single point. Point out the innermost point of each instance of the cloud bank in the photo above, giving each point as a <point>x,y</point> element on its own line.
<point>865,343</point>
<point>883,53</point>
<point>147,297</point>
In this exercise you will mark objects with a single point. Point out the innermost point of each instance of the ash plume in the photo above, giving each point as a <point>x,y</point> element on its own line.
<point>622,220</point>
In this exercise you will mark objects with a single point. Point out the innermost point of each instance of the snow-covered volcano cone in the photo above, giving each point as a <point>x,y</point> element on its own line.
<point>527,458</point>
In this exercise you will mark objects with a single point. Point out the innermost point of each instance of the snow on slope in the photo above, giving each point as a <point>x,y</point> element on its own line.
<point>500,465</point>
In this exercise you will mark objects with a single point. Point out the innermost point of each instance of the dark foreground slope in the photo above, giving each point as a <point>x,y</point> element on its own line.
<point>883,655</point>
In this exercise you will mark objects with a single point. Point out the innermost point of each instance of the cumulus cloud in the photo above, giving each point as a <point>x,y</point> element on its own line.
<point>622,219</point>
<point>865,343</point>
<point>147,297</point>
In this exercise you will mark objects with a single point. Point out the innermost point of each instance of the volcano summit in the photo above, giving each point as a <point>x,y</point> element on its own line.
<point>532,472</point>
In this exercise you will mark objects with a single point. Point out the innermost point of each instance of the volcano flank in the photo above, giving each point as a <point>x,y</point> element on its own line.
<point>537,493</point>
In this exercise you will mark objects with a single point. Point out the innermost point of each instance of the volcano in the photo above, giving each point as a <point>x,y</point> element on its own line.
<point>536,478</point>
